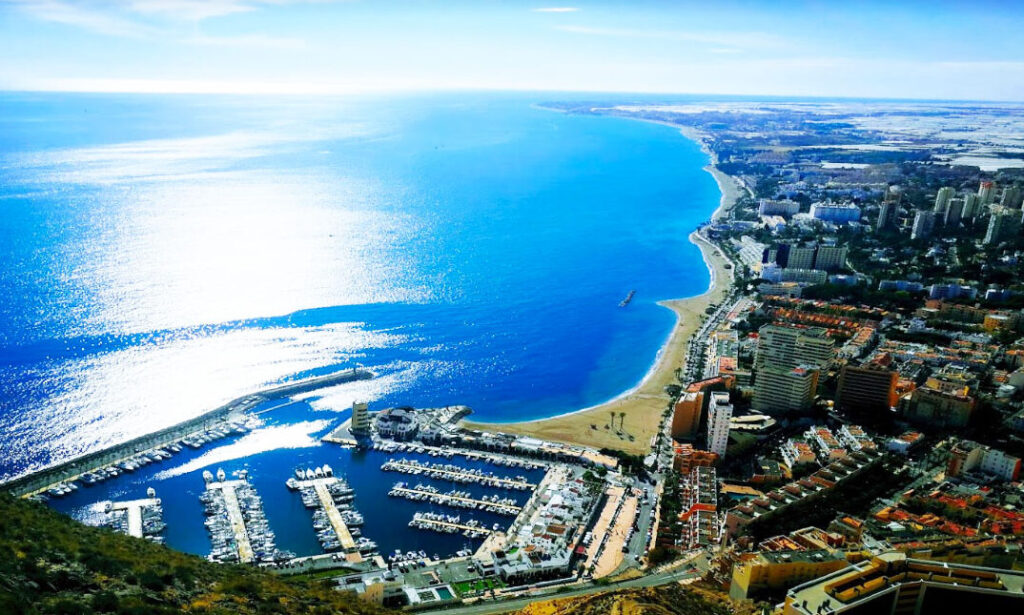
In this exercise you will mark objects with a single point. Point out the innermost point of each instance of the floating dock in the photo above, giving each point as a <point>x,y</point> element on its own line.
<point>242,543</point>
<point>455,474</point>
<point>419,494</point>
<point>448,525</point>
<point>322,490</point>
<point>348,544</point>
<point>238,527</point>
<point>143,518</point>
<point>133,509</point>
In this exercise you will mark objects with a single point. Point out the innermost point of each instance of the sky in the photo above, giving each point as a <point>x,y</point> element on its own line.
<point>910,49</point>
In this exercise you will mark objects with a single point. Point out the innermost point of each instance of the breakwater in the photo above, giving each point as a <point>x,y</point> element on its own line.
<point>70,470</point>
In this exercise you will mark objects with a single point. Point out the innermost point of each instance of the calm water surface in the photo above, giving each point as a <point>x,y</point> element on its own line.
<point>160,255</point>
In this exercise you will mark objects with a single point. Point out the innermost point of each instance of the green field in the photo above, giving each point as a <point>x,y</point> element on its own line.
<point>477,586</point>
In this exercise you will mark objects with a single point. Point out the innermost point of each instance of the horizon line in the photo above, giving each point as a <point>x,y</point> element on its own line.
<point>370,91</point>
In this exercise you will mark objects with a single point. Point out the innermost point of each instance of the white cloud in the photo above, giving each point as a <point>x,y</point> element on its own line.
<point>83,16</point>
<point>725,40</point>
<point>190,10</point>
<point>247,40</point>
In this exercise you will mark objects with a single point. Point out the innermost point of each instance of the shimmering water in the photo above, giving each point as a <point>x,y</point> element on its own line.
<point>160,255</point>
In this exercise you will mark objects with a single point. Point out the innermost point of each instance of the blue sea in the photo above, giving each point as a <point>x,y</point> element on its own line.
<point>160,255</point>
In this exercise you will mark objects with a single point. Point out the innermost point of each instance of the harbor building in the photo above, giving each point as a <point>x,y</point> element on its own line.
<point>360,419</point>
<point>895,583</point>
<point>869,389</point>
<point>719,414</point>
<point>396,424</point>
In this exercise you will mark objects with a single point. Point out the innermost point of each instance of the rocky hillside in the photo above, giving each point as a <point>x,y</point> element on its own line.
<point>671,599</point>
<point>52,564</point>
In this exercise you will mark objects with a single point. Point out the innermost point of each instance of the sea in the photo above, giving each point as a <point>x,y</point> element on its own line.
<point>163,254</point>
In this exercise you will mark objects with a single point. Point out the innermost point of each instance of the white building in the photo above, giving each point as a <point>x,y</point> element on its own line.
<point>719,414</point>
<point>837,213</point>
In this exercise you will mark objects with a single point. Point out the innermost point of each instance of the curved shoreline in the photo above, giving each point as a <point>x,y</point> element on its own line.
<point>631,420</point>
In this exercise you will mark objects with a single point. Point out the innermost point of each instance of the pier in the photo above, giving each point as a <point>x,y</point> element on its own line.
<point>40,481</point>
<point>457,501</point>
<point>458,475</point>
<point>234,511</point>
<point>133,509</point>
<point>323,491</point>
<point>348,544</point>
<point>238,527</point>
<point>448,525</point>
<point>143,518</point>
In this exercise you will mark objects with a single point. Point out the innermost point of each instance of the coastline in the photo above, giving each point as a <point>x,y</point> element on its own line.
<point>644,404</point>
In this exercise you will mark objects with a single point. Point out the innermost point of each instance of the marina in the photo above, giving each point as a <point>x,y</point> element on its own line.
<point>230,418</point>
<point>449,524</point>
<point>456,474</point>
<point>456,499</point>
<point>237,525</point>
<point>334,519</point>
<point>139,518</point>
<point>505,461</point>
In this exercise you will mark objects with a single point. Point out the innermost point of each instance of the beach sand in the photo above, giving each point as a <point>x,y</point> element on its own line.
<point>643,406</point>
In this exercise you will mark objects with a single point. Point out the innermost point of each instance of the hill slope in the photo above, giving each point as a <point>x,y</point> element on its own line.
<point>670,599</point>
<point>52,564</point>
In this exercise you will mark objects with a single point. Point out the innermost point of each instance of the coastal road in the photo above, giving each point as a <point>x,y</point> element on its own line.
<point>489,607</point>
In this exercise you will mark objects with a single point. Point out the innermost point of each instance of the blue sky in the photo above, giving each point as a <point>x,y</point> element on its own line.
<point>956,50</point>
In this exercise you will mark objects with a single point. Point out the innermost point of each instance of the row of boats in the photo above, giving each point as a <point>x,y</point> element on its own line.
<point>450,524</point>
<point>456,474</point>
<point>342,495</point>
<point>222,522</point>
<point>455,498</point>
<point>391,446</point>
<point>144,458</point>
<point>152,514</point>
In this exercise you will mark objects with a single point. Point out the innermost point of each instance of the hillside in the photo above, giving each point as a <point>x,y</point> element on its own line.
<point>52,564</point>
<point>671,599</point>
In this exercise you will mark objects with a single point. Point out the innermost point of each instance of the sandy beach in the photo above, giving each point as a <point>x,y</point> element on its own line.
<point>643,406</point>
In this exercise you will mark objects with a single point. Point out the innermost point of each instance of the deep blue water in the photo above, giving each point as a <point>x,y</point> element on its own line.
<point>160,255</point>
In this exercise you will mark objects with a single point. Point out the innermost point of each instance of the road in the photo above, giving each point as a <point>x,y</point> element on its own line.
<point>490,607</point>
